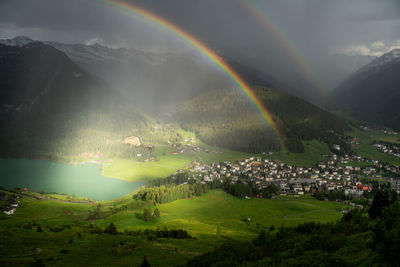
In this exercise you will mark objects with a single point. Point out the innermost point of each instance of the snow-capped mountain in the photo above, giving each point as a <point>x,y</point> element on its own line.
<point>383,61</point>
<point>82,52</point>
<point>17,41</point>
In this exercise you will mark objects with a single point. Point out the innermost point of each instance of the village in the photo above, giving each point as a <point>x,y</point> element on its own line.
<point>333,174</point>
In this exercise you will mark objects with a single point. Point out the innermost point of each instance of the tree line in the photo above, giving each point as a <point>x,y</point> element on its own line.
<point>165,194</point>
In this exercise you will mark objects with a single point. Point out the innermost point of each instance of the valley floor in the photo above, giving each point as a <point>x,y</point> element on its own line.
<point>210,220</point>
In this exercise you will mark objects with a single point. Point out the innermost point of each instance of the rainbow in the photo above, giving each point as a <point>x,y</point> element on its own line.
<point>134,9</point>
<point>282,38</point>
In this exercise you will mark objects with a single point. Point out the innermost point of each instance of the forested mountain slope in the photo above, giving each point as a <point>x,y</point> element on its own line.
<point>45,97</point>
<point>227,118</point>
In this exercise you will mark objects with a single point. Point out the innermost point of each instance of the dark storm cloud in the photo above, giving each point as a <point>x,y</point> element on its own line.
<point>212,21</point>
<point>74,21</point>
<point>316,28</point>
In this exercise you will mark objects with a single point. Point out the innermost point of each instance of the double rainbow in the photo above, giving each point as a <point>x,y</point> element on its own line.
<point>134,9</point>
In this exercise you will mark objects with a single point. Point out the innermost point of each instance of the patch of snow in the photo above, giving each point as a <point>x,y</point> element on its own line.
<point>391,57</point>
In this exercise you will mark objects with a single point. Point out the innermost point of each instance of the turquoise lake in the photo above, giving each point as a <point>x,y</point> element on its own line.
<point>84,180</point>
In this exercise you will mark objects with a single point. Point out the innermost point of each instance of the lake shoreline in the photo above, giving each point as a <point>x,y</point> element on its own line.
<point>85,179</point>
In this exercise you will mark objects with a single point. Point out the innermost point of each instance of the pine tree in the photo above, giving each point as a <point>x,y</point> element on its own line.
<point>111,229</point>
<point>156,213</point>
<point>147,214</point>
<point>145,262</point>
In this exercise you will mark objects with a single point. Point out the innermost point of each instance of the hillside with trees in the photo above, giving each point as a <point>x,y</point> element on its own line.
<point>50,105</point>
<point>227,118</point>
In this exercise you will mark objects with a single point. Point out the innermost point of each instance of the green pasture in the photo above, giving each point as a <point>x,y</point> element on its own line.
<point>210,219</point>
<point>366,149</point>
<point>313,151</point>
<point>221,214</point>
<point>132,170</point>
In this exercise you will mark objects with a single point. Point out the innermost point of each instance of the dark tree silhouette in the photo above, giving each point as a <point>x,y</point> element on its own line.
<point>145,262</point>
<point>382,199</point>
<point>111,229</point>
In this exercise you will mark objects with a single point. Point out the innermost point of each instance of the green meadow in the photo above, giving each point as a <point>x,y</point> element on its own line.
<point>366,149</point>
<point>218,213</point>
<point>313,151</point>
<point>132,170</point>
<point>210,220</point>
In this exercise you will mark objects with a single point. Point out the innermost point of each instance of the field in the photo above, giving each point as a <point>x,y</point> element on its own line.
<point>367,150</point>
<point>313,151</point>
<point>218,213</point>
<point>210,219</point>
<point>132,170</point>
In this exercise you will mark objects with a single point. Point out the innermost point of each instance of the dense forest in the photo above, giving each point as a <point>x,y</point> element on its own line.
<point>227,118</point>
<point>240,189</point>
<point>359,238</point>
<point>165,194</point>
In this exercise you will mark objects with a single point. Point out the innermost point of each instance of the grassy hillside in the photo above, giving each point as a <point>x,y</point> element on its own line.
<point>210,219</point>
<point>366,149</point>
<point>227,118</point>
<point>312,154</point>
<point>132,170</point>
<point>218,213</point>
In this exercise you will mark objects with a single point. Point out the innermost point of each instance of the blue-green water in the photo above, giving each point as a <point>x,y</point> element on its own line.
<point>84,180</point>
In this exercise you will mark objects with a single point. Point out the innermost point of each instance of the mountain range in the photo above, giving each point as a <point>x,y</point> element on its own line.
<point>156,82</point>
<point>44,88</point>
<point>144,75</point>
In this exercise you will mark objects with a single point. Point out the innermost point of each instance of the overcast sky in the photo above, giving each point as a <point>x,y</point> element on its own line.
<point>316,28</point>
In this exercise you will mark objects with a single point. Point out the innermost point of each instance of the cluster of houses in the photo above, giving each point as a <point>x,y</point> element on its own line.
<point>388,148</point>
<point>383,130</point>
<point>180,148</point>
<point>12,203</point>
<point>332,174</point>
<point>390,132</point>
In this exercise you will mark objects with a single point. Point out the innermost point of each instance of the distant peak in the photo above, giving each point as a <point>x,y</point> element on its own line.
<point>22,38</point>
<point>17,41</point>
<point>395,53</point>
<point>96,45</point>
<point>390,57</point>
